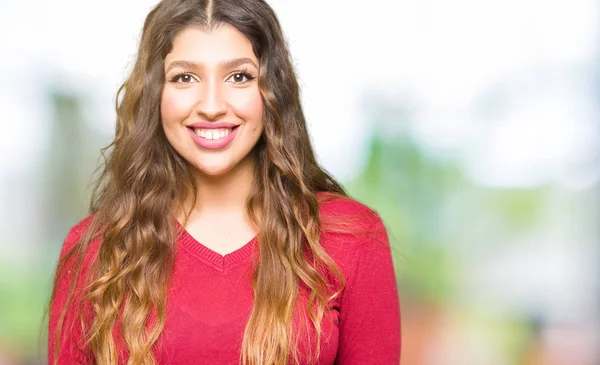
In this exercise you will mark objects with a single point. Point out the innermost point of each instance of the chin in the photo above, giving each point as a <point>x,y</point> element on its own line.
<point>216,167</point>
<point>213,171</point>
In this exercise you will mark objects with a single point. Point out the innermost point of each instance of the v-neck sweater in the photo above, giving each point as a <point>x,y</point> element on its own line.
<point>210,298</point>
<point>218,261</point>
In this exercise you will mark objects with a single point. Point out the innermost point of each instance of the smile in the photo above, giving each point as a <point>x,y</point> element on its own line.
<point>213,138</point>
<point>213,133</point>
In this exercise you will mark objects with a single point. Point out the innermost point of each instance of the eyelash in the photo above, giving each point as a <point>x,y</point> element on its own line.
<point>244,73</point>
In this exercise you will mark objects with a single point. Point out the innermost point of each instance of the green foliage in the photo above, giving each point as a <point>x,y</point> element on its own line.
<point>435,215</point>
<point>409,189</point>
<point>24,292</point>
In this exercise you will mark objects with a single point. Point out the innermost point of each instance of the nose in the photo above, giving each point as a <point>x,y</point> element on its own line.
<point>211,103</point>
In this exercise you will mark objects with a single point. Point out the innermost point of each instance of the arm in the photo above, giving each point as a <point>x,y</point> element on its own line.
<point>71,350</point>
<point>369,309</point>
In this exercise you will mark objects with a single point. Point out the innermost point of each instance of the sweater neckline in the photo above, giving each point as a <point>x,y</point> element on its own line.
<point>213,258</point>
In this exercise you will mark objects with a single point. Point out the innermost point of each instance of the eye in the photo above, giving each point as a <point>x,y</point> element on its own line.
<point>241,77</point>
<point>183,78</point>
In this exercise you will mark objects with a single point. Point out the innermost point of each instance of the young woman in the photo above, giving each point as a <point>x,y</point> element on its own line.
<point>214,236</point>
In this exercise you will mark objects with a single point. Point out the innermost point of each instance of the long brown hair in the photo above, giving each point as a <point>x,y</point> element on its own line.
<point>144,179</point>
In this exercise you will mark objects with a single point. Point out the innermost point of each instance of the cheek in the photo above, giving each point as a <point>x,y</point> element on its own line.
<point>175,107</point>
<point>249,106</point>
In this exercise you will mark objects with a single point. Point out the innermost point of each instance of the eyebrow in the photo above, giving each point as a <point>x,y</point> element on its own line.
<point>224,64</point>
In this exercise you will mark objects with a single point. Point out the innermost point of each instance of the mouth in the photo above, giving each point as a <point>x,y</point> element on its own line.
<point>213,133</point>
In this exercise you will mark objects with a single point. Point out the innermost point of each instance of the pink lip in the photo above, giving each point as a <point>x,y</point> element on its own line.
<point>213,144</point>
<point>212,125</point>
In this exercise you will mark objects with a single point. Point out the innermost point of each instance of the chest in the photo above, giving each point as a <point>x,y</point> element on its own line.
<point>222,234</point>
<point>207,312</point>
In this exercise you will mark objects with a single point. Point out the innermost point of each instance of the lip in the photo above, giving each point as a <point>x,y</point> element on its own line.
<point>213,144</point>
<point>212,125</point>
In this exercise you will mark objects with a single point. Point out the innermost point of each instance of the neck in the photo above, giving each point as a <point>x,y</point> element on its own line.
<point>226,193</point>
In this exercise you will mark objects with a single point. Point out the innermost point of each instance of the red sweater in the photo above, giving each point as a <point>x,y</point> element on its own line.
<point>210,299</point>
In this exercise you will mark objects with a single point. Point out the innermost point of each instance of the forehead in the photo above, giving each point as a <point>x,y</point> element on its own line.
<point>209,48</point>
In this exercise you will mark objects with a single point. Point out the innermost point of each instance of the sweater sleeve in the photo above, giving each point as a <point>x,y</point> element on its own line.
<point>71,350</point>
<point>369,309</point>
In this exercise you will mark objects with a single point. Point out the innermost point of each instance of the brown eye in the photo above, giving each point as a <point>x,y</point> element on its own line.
<point>241,77</point>
<point>183,78</point>
<point>238,77</point>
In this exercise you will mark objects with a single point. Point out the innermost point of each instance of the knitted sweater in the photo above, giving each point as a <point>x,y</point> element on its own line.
<point>210,298</point>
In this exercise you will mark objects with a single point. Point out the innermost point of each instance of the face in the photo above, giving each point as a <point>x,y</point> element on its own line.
<point>211,107</point>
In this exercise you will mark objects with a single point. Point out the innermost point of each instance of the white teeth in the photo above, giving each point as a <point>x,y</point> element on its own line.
<point>212,133</point>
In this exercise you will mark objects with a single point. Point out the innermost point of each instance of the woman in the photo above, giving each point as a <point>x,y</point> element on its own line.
<point>214,235</point>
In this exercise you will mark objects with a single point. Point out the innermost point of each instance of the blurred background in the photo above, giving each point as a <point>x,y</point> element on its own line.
<point>471,126</point>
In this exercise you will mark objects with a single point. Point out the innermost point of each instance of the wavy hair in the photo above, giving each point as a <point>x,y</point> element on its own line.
<point>144,180</point>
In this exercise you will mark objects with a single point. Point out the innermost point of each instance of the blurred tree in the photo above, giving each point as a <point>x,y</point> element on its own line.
<point>66,173</point>
<point>65,184</point>
<point>70,164</point>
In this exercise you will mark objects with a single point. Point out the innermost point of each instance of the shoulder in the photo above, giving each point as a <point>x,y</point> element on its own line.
<point>75,234</point>
<point>343,211</point>
<point>354,236</point>
<point>79,229</point>
<point>349,228</point>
